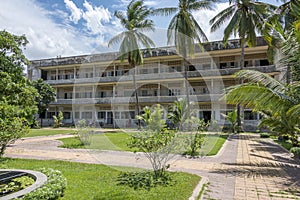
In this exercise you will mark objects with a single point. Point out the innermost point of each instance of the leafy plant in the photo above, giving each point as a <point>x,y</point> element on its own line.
<point>155,141</point>
<point>58,120</point>
<point>196,140</point>
<point>264,135</point>
<point>143,180</point>
<point>295,151</point>
<point>84,132</point>
<point>232,118</point>
<point>16,184</point>
<point>53,189</point>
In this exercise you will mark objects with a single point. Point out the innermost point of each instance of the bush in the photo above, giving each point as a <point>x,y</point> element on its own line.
<point>264,135</point>
<point>144,180</point>
<point>16,184</point>
<point>295,151</point>
<point>53,189</point>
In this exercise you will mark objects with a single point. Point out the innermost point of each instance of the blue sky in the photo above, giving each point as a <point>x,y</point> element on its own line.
<point>74,27</point>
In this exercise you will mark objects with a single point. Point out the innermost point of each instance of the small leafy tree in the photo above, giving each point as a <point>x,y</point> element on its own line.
<point>232,118</point>
<point>155,141</point>
<point>84,132</point>
<point>46,95</point>
<point>12,127</point>
<point>196,139</point>
<point>58,121</point>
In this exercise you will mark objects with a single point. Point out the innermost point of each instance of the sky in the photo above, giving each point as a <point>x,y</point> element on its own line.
<point>81,27</point>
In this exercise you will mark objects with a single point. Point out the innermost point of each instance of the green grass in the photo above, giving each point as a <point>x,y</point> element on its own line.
<point>285,144</point>
<point>118,141</point>
<point>98,182</point>
<point>213,144</point>
<point>47,132</point>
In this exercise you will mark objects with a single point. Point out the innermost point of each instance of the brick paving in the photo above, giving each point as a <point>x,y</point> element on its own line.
<point>247,167</point>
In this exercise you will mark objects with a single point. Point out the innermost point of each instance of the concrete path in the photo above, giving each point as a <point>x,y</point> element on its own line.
<point>247,167</point>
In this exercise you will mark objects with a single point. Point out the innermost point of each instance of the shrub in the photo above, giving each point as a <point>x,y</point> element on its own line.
<point>295,151</point>
<point>144,180</point>
<point>53,189</point>
<point>264,135</point>
<point>58,121</point>
<point>16,184</point>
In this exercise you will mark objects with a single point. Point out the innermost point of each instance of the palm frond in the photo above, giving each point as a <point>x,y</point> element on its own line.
<point>261,78</point>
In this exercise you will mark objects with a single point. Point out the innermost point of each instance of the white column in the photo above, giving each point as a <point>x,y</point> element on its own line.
<point>114,69</point>
<point>56,74</point>
<point>74,72</point>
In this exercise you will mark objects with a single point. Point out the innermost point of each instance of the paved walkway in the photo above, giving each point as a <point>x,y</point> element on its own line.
<point>247,167</point>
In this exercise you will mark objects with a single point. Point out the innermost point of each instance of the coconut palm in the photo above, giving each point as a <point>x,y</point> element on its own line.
<point>246,19</point>
<point>283,31</point>
<point>279,103</point>
<point>135,21</point>
<point>184,31</point>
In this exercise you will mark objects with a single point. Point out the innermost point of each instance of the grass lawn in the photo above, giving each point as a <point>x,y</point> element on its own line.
<point>46,132</point>
<point>118,141</point>
<point>91,181</point>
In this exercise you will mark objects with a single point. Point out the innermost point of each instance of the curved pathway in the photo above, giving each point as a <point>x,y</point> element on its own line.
<point>247,167</point>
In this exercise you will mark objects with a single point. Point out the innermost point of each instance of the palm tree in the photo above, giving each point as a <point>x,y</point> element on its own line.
<point>184,31</point>
<point>246,19</point>
<point>135,20</point>
<point>178,113</point>
<point>282,28</point>
<point>279,103</point>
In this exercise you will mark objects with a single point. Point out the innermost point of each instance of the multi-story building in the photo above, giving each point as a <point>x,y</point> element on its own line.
<point>99,87</point>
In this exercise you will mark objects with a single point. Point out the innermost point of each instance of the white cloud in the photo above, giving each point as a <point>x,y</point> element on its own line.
<point>46,37</point>
<point>204,16</point>
<point>95,18</point>
<point>76,13</point>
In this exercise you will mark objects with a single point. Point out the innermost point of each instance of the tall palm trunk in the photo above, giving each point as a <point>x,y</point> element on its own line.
<point>242,65</point>
<point>186,82</point>
<point>137,105</point>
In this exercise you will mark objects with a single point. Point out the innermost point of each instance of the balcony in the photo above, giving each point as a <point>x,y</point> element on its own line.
<point>142,99</point>
<point>162,76</point>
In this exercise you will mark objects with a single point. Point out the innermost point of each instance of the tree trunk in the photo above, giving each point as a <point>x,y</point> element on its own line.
<point>137,105</point>
<point>238,106</point>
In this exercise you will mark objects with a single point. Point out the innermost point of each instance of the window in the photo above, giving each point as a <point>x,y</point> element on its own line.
<point>86,115</point>
<point>101,115</point>
<point>77,115</point>
<point>144,92</point>
<point>249,115</point>
<point>264,62</point>
<point>50,115</point>
<point>223,65</point>
<point>174,92</point>
<point>67,115</point>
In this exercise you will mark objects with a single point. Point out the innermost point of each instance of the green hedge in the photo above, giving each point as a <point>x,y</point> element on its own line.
<point>295,151</point>
<point>53,189</point>
<point>264,135</point>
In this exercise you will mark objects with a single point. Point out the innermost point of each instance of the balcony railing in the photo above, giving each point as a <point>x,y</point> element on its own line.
<point>162,76</point>
<point>142,99</point>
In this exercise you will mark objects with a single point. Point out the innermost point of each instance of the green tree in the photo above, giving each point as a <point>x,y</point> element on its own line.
<point>155,141</point>
<point>17,96</point>
<point>45,97</point>
<point>282,37</point>
<point>58,120</point>
<point>246,20</point>
<point>231,117</point>
<point>178,113</point>
<point>278,102</point>
<point>135,21</point>
<point>184,31</point>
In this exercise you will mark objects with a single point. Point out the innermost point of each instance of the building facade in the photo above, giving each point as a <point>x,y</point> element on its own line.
<point>99,87</point>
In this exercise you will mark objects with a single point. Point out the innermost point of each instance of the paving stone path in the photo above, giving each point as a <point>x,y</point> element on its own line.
<point>247,167</point>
